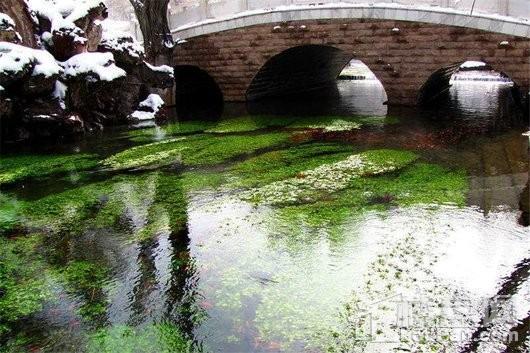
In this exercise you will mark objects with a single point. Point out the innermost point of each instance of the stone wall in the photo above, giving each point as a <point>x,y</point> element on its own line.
<point>402,55</point>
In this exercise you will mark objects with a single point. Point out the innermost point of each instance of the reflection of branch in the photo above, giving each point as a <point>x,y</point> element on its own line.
<point>473,7</point>
<point>518,344</point>
<point>509,287</point>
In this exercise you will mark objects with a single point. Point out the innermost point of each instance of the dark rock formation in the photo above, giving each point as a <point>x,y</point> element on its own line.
<point>90,80</point>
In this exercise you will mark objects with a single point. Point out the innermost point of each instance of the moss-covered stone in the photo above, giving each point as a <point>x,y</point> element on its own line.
<point>193,151</point>
<point>17,168</point>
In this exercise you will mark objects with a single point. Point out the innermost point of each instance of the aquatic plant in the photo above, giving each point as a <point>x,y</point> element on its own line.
<point>10,217</point>
<point>286,163</point>
<point>420,183</point>
<point>24,284</point>
<point>193,151</point>
<point>86,280</point>
<point>20,167</point>
<point>133,202</point>
<point>161,337</point>
<point>251,123</point>
<point>342,123</point>
<point>168,131</point>
<point>314,184</point>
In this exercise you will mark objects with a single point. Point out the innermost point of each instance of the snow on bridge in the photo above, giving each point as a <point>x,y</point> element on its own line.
<point>191,18</point>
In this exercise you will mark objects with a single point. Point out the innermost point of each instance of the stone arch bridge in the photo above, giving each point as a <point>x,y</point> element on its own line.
<point>258,53</point>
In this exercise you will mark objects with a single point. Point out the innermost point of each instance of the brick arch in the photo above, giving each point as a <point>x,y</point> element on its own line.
<point>439,81</point>
<point>298,69</point>
<point>403,55</point>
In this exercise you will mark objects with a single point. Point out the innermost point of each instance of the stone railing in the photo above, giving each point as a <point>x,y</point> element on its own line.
<point>187,12</point>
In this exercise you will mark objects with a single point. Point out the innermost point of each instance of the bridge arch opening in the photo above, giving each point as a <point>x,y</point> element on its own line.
<point>310,78</point>
<point>484,98</point>
<point>197,95</point>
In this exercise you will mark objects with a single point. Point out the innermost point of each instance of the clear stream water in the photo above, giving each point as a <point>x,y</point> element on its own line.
<point>246,276</point>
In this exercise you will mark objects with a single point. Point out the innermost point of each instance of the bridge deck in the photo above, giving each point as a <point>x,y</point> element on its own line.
<point>193,18</point>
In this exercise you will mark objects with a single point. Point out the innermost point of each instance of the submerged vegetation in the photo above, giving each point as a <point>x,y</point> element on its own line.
<point>193,151</point>
<point>161,338</point>
<point>17,168</point>
<point>314,184</point>
<point>274,215</point>
<point>24,284</point>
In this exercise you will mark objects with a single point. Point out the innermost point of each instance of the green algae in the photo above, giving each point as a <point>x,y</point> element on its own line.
<point>86,280</point>
<point>419,183</point>
<point>159,337</point>
<point>112,203</point>
<point>10,218</point>
<point>24,284</point>
<point>18,168</point>
<point>251,123</point>
<point>342,123</point>
<point>318,183</point>
<point>327,123</point>
<point>168,131</point>
<point>193,151</point>
<point>282,164</point>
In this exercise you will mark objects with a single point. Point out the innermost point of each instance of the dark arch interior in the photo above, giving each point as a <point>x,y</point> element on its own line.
<point>197,95</point>
<point>438,84</point>
<point>298,70</point>
<point>474,97</point>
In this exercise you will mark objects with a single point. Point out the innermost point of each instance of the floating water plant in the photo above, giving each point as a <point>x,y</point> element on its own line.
<point>17,168</point>
<point>192,151</point>
<point>314,184</point>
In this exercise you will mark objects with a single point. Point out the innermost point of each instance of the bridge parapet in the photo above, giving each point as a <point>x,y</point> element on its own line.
<point>190,18</point>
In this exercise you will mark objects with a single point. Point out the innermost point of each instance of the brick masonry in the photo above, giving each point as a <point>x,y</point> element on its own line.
<point>403,61</point>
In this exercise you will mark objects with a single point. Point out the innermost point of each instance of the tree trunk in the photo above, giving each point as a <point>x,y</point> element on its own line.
<point>152,17</point>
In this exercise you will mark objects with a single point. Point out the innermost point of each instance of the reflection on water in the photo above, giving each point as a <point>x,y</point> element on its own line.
<point>174,256</point>
<point>364,97</point>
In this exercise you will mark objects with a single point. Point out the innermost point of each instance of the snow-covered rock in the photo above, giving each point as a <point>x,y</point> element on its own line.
<point>92,67</point>
<point>7,30</point>
<point>125,48</point>
<point>148,108</point>
<point>17,61</point>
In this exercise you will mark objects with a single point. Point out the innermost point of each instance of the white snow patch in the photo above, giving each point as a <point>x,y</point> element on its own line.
<point>504,42</point>
<point>140,115</point>
<point>2,88</point>
<point>100,64</point>
<point>161,68</point>
<point>470,64</point>
<point>6,22</point>
<point>153,101</point>
<point>14,57</point>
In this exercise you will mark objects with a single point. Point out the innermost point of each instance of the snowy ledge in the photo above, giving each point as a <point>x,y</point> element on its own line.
<point>382,11</point>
